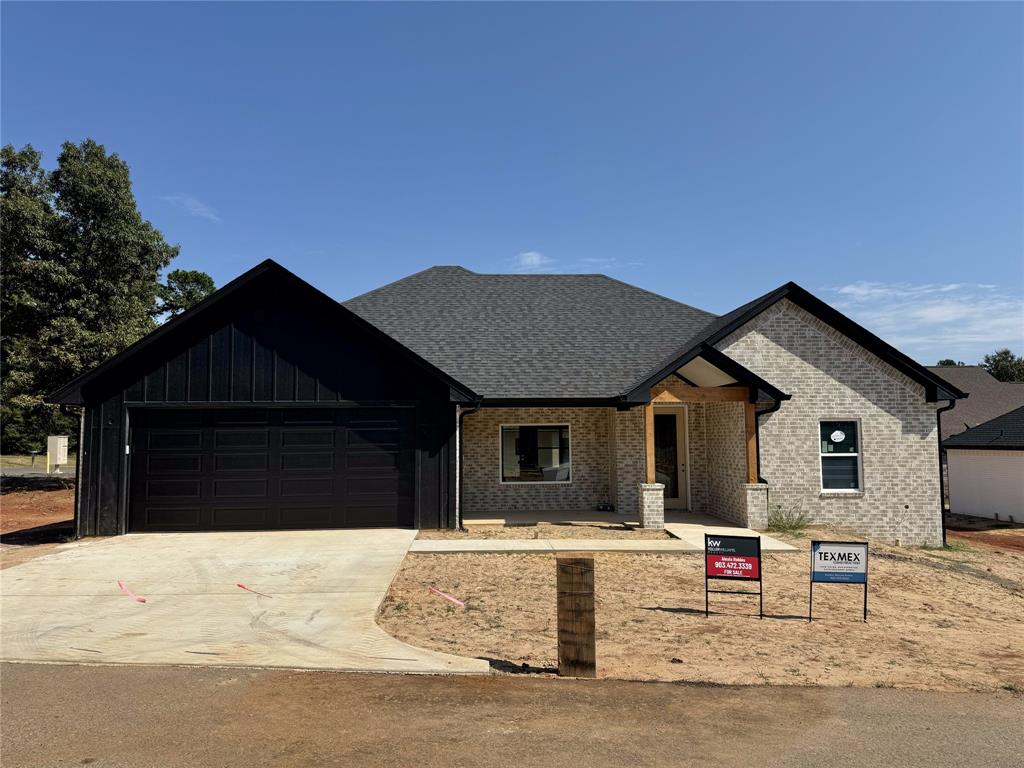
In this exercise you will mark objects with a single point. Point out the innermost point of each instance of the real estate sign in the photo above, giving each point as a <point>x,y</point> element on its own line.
<point>838,562</point>
<point>734,558</point>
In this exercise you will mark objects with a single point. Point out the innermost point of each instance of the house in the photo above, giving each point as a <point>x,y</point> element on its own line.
<point>450,395</point>
<point>989,397</point>
<point>986,469</point>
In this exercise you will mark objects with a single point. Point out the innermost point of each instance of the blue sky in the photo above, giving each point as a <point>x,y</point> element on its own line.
<point>874,153</point>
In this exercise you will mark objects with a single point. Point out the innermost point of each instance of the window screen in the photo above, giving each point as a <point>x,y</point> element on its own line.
<point>840,456</point>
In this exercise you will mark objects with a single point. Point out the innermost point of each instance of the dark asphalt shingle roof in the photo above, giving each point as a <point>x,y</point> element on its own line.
<point>1004,432</point>
<point>988,397</point>
<point>532,336</point>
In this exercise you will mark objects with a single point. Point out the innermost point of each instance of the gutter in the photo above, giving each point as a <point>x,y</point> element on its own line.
<point>463,413</point>
<point>942,480</point>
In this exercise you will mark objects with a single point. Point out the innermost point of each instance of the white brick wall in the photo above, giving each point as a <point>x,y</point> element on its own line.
<point>483,491</point>
<point>831,377</point>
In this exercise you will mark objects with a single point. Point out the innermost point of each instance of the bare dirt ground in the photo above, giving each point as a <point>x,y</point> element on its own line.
<point>549,531</point>
<point>34,522</point>
<point>939,619</point>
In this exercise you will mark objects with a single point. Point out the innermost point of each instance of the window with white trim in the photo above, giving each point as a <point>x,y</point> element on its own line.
<point>535,453</point>
<point>840,455</point>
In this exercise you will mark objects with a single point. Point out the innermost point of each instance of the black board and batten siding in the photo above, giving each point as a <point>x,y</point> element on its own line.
<point>271,347</point>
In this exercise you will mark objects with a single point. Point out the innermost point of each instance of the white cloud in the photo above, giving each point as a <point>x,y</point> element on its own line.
<point>534,261</point>
<point>930,321</point>
<point>192,205</point>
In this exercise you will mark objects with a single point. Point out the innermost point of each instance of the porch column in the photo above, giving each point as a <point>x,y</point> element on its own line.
<point>750,419</point>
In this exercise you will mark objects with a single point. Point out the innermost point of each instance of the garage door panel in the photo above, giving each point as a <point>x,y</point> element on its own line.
<point>177,517</point>
<point>302,486</point>
<point>170,464</point>
<point>241,517</point>
<point>223,489</point>
<point>166,440</point>
<point>173,489</point>
<point>271,468</point>
<point>306,516</point>
<point>241,438</point>
<point>307,438</point>
<point>240,462</point>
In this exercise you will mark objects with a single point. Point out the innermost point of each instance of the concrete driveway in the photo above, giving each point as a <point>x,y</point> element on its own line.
<point>321,588</point>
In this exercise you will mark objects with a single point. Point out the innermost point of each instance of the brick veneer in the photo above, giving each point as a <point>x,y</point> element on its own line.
<point>482,490</point>
<point>831,377</point>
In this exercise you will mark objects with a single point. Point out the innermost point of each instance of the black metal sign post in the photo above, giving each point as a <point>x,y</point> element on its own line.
<point>732,558</point>
<point>838,562</point>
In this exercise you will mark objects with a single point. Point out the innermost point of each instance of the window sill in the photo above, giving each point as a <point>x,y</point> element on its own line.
<point>833,494</point>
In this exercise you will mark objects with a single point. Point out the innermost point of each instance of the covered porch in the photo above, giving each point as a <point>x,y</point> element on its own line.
<point>686,454</point>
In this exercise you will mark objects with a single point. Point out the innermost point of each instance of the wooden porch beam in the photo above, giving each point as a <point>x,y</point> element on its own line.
<point>700,395</point>
<point>649,443</point>
<point>751,426</point>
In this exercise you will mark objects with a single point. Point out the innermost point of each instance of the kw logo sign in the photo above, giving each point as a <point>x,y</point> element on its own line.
<point>715,543</point>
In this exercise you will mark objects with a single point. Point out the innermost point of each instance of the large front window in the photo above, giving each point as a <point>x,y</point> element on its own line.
<point>532,453</point>
<point>840,456</point>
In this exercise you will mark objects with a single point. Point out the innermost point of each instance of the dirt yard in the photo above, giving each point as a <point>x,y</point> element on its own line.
<point>549,531</point>
<point>33,522</point>
<point>939,619</point>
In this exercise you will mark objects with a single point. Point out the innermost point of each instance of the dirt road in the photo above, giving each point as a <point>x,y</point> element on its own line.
<point>159,716</point>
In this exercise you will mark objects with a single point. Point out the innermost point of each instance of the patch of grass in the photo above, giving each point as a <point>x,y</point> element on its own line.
<point>1012,687</point>
<point>789,520</point>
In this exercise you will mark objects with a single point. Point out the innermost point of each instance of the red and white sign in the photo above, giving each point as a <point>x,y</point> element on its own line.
<point>733,567</point>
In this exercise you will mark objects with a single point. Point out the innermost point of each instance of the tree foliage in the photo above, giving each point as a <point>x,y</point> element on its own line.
<point>81,279</point>
<point>1004,365</point>
<point>183,289</point>
<point>948,361</point>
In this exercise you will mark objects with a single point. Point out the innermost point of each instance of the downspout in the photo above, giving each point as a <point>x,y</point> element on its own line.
<point>942,480</point>
<point>79,463</point>
<point>463,413</point>
<point>757,428</point>
<point>757,447</point>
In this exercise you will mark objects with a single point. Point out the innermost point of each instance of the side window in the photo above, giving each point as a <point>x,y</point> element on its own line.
<point>840,455</point>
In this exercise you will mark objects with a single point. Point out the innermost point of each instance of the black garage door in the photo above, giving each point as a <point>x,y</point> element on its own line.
<point>253,469</point>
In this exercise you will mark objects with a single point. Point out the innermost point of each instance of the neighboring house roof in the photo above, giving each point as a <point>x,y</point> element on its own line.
<point>989,397</point>
<point>532,336</point>
<point>1004,432</point>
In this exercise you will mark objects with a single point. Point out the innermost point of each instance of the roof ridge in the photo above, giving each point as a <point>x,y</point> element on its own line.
<point>393,283</point>
<point>657,295</point>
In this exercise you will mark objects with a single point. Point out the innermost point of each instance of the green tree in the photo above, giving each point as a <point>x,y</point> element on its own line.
<point>1004,365</point>
<point>81,279</point>
<point>948,361</point>
<point>183,289</point>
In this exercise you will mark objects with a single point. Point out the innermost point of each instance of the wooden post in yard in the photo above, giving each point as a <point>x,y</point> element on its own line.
<point>577,647</point>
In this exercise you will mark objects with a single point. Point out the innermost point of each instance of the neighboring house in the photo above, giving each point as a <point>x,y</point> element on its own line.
<point>449,395</point>
<point>986,469</point>
<point>989,397</point>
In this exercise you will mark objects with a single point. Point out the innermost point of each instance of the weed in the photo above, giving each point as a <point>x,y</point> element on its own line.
<point>791,520</point>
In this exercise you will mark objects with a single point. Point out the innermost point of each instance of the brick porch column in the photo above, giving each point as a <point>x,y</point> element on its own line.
<point>652,505</point>
<point>757,505</point>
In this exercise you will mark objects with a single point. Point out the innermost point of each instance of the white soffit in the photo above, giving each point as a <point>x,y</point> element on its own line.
<point>704,374</point>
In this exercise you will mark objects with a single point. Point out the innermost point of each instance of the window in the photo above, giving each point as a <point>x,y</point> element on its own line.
<point>535,454</point>
<point>840,456</point>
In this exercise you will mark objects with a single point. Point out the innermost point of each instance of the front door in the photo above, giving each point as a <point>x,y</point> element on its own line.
<point>670,456</point>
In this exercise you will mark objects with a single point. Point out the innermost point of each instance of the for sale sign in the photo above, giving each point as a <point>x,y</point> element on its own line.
<point>839,562</point>
<point>733,557</point>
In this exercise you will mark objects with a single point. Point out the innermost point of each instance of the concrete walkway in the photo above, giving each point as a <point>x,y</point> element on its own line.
<point>324,588</point>
<point>688,538</point>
